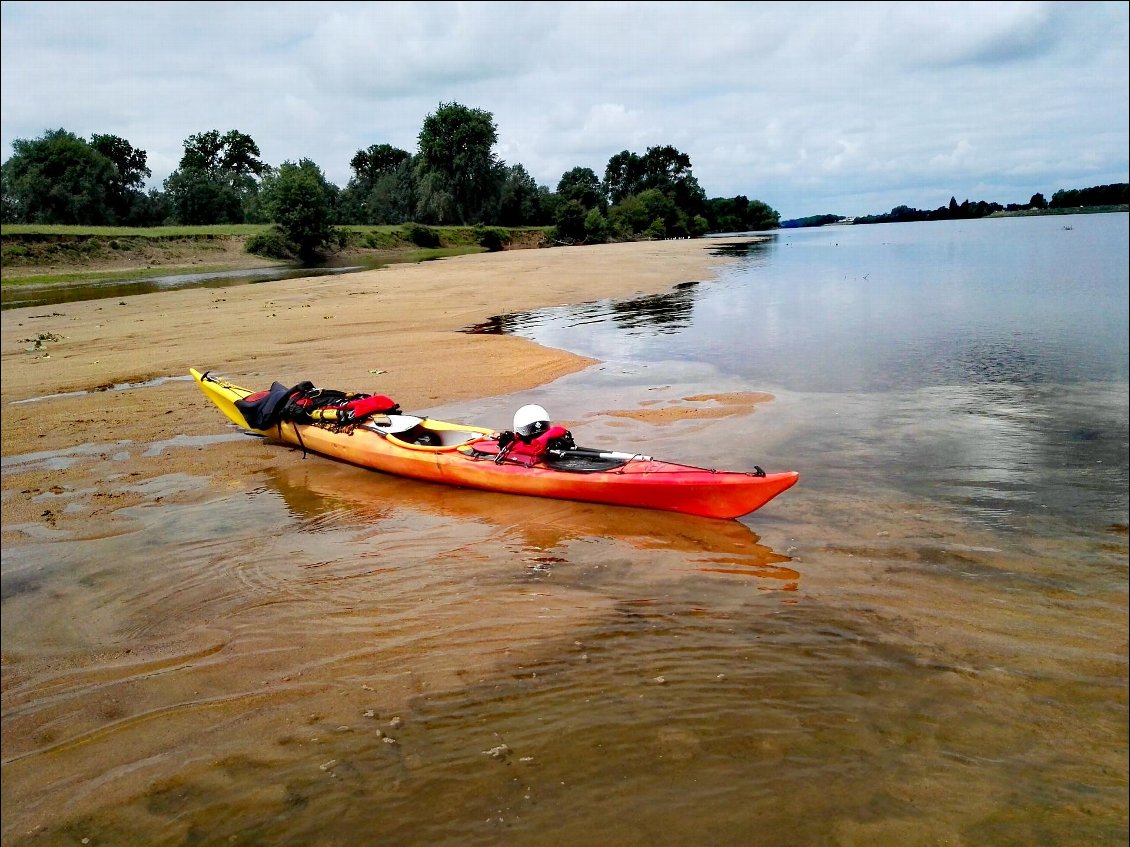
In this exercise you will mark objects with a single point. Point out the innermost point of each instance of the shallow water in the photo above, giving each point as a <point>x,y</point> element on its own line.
<point>30,294</point>
<point>923,642</point>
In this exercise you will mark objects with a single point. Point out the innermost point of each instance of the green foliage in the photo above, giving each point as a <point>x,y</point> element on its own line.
<point>197,198</point>
<point>382,189</point>
<point>493,238</point>
<point>128,162</point>
<point>596,227</point>
<point>456,146</point>
<point>156,232</point>
<point>380,240</point>
<point>126,196</point>
<point>422,236</point>
<point>376,161</point>
<point>582,185</point>
<point>569,225</point>
<point>761,216</point>
<point>300,202</point>
<point>655,231</point>
<point>394,195</point>
<point>664,168</point>
<point>231,156</point>
<point>623,176</point>
<point>58,179</point>
<point>650,214</point>
<point>217,178</point>
<point>810,221</point>
<point>654,195</point>
<point>520,200</point>
<point>435,203</point>
<point>12,252</point>
<point>1099,195</point>
<point>273,244</point>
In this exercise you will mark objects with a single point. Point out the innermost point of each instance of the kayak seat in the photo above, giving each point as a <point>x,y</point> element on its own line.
<point>421,437</point>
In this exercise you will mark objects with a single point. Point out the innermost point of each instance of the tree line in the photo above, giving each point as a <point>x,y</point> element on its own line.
<point>453,178</point>
<point>1116,194</point>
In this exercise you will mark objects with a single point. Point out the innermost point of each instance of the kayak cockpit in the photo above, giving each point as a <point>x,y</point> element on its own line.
<point>415,433</point>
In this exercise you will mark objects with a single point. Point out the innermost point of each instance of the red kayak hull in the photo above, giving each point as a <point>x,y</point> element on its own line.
<point>641,482</point>
<point>644,483</point>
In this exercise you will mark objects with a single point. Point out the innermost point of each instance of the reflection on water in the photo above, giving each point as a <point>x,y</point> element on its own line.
<point>659,313</point>
<point>119,386</point>
<point>924,642</point>
<point>546,525</point>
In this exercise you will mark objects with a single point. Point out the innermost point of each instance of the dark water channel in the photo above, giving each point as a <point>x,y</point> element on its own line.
<point>15,296</point>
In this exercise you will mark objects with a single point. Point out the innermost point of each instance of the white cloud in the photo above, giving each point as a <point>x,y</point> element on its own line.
<point>811,107</point>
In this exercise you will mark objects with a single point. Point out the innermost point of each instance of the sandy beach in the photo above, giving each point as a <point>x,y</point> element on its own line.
<point>393,331</point>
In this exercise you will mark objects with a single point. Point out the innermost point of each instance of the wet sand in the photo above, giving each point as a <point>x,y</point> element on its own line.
<point>393,331</point>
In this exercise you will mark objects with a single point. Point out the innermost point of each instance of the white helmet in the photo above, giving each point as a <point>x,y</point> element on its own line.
<point>531,420</point>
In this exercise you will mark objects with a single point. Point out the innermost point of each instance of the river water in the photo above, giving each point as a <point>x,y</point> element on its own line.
<point>924,642</point>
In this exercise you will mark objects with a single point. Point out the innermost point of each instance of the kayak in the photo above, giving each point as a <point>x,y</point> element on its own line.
<point>382,438</point>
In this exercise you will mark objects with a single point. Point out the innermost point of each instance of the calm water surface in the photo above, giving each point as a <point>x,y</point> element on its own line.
<point>924,642</point>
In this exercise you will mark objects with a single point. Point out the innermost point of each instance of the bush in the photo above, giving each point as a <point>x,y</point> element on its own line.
<point>656,231</point>
<point>596,227</point>
<point>272,244</point>
<point>15,251</point>
<point>494,238</point>
<point>380,240</point>
<point>421,236</point>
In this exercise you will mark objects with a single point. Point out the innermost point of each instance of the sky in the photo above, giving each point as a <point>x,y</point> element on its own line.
<point>843,108</point>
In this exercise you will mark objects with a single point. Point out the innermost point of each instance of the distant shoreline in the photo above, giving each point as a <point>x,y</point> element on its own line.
<point>49,255</point>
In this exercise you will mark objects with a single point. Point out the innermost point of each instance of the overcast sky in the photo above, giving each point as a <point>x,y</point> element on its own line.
<point>847,108</point>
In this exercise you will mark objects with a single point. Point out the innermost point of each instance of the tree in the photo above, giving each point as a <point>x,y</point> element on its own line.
<point>569,222</point>
<point>382,189</point>
<point>58,179</point>
<point>435,202</point>
<point>650,212</point>
<point>129,162</point>
<point>456,145</point>
<point>300,202</point>
<point>662,168</point>
<point>217,178</point>
<point>127,198</point>
<point>393,198</point>
<point>371,164</point>
<point>596,227</point>
<point>582,185</point>
<point>519,200</point>
<point>196,197</point>
<point>623,176</point>
<point>761,216</point>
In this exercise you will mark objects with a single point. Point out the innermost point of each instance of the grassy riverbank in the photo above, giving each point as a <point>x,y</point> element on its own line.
<point>43,255</point>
